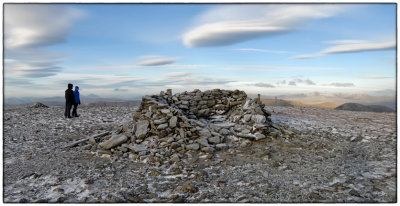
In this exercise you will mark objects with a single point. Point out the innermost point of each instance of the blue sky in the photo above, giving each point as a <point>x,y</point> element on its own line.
<point>129,50</point>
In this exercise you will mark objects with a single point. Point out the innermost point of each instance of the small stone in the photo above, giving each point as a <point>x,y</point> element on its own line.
<point>92,141</point>
<point>104,152</point>
<point>259,136</point>
<point>208,149</point>
<point>59,190</point>
<point>175,145</point>
<point>165,111</point>
<point>160,121</point>
<point>138,148</point>
<point>175,158</point>
<point>214,140</point>
<point>189,187</point>
<point>205,133</point>
<point>194,146</point>
<point>259,119</point>
<point>173,121</point>
<point>224,131</point>
<point>221,146</point>
<point>203,141</point>
<point>162,126</point>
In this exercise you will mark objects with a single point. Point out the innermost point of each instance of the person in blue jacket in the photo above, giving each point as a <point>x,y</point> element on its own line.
<point>77,101</point>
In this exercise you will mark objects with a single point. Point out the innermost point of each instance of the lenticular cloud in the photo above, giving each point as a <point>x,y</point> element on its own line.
<point>228,25</point>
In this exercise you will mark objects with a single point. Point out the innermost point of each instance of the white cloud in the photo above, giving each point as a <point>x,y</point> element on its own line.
<point>337,84</point>
<point>375,77</point>
<point>157,61</point>
<point>33,25</point>
<point>28,30</point>
<point>228,25</point>
<point>177,74</point>
<point>350,46</point>
<point>263,85</point>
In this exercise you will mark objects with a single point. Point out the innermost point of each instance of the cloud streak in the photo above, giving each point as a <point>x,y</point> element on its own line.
<point>337,84</point>
<point>375,77</point>
<point>229,25</point>
<point>346,46</point>
<point>158,61</point>
<point>266,85</point>
<point>261,50</point>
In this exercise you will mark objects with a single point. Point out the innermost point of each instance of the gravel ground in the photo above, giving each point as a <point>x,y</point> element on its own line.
<point>334,156</point>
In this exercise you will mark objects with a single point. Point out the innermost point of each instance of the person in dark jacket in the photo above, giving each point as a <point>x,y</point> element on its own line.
<point>76,102</point>
<point>69,100</point>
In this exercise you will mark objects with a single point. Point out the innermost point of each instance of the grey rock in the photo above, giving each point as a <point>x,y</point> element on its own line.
<point>221,146</point>
<point>92,141</point>
<point>194,146</point>
<point>173,121</point>
<point>162,126</point>
<point>160,121</point>
<point>138,148</point>
<point>165,111</point>
<point>205,133</point>
<point>104,152</point>
<point>224,131</point>
<point>260,119</point>
<point>115,140</point>
<point>214,140</point>
<point>203,141</point>
<point>259,136</point>
<point>141,129</point>
<point>208,149</point>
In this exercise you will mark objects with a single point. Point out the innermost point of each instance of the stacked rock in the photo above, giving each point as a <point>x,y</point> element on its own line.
<point>167,125</point>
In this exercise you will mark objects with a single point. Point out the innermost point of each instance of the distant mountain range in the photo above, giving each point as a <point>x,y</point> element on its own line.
<point>292,103</point>
<point>87,100</point>
<point>330,100</point>
<point>328,105</point>
<point>365,108</point>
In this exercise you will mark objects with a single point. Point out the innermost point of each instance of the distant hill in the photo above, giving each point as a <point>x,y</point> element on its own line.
<point>365,108</point>
<point>278,102</point>
<point>292,103</point>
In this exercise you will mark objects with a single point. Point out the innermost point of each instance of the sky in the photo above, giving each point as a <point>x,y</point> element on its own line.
<point>130,50</point>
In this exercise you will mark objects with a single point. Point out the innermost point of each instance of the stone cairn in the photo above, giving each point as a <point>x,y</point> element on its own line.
<point>166,127</point>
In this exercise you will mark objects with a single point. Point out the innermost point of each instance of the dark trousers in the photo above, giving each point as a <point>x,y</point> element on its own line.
<point>74,114</point>
<point>68,106</point>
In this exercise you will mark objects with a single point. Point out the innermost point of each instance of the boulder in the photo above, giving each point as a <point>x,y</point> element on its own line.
<point>115,140</point>
<point>141,129</point>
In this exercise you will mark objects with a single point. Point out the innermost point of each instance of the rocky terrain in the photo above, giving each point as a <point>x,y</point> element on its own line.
<point>294,155</point>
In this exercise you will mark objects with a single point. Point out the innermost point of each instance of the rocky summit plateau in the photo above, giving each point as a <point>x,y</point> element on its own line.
<point>212,146</point>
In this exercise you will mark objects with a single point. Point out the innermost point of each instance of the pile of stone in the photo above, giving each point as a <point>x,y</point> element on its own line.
<point>166,127</point>
<point>40,105</point>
